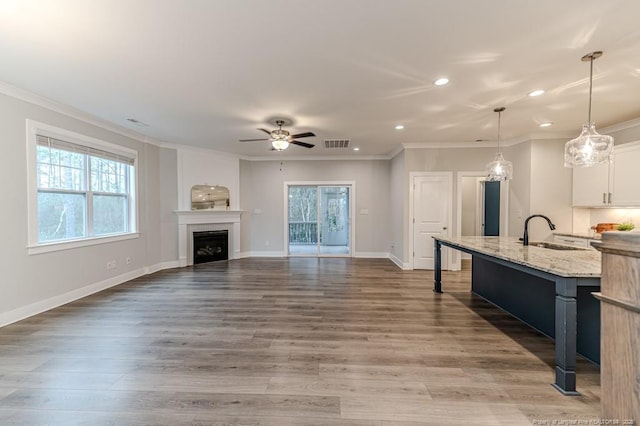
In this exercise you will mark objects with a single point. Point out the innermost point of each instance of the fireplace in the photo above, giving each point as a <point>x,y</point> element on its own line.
<point>209,246</point>
<point>192,221</point>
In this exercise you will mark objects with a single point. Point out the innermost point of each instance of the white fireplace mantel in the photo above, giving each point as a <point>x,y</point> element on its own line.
<point>201,218</point>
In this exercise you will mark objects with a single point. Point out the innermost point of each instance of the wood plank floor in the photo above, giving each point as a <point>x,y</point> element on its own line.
<point>297,341</point>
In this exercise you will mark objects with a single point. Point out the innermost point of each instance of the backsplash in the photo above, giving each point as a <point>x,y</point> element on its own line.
<point>583,219</point>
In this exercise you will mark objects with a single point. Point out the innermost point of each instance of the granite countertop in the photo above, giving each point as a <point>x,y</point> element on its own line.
<point>585,235</point>
<point>564,263</point>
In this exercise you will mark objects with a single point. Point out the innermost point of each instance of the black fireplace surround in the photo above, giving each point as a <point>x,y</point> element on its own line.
<point>209,246</point>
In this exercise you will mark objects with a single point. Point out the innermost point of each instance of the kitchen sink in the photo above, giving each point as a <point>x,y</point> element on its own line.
<point>554,246</point>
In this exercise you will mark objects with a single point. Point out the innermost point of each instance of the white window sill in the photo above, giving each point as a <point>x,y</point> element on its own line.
<point>66,245</point>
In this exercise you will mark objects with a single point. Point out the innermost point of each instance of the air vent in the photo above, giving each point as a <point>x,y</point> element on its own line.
<point>336,143</point>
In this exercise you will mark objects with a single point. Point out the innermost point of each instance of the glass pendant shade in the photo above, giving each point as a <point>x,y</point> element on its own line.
<point>280,144</point>
<point>499,169</point>
<point>588,149</point>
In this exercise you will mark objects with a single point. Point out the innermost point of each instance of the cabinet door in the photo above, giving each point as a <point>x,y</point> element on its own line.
<point>626,176</point>
<point>590,186</point>
<point>571,241</point>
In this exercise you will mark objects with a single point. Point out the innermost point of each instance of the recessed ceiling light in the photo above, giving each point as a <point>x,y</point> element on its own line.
<point>441,81</point>
<point>356,149</point>
<point>546,124</point>
<point>399,127</point>
<point>535,93</point>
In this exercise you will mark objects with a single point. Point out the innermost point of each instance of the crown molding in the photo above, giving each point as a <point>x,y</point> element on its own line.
<point>69,111</point>
<point>317,158</point>
<point>193,148</point>
<point>621,126</point>
<point>448,145</point>
<point>397,150</point>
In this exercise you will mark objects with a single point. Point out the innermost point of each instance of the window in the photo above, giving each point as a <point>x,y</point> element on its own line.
<point>84,188</point>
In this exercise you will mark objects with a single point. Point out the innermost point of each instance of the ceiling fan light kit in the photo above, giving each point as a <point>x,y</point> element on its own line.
<point>590,148</point>
<point>280,144</point>
<point>499,169</point>
<point>281,139</point>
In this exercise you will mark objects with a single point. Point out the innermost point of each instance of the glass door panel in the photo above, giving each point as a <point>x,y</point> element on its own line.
<point>303,220</point>
<point>319,220</point>
<point>334,220</point>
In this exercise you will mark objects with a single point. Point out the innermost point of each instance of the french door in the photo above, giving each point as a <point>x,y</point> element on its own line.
<point>319,220</point>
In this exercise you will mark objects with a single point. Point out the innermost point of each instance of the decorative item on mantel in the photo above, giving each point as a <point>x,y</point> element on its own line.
<point>590,148</point>
<point>499,169</point>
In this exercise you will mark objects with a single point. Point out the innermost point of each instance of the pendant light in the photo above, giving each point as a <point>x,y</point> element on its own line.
<point>590,148</point>
<point>499,169</point>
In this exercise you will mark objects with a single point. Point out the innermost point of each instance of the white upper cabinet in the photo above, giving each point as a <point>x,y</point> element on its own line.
<point>610,185</point>
<point>626,176</point>
<point>591,186</point>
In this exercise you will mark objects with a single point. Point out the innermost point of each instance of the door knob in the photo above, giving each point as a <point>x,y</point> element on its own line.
<point>444,227</point>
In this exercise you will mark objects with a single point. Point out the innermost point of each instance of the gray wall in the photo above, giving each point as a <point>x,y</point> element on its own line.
<point>262,187</point>
<point>29,281</point>
<point>168,173</point>
<point>397,187</point>
<point>469,207</point>
<point>441,160</point>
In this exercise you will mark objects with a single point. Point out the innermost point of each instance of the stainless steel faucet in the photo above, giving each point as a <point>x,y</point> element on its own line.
<point>525,237</point>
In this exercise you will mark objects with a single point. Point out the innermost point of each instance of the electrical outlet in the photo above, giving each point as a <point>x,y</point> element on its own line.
<point>128,261</point>
<point>111,264</point>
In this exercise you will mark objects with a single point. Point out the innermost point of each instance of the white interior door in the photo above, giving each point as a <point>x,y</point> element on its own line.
<point>431,211</point>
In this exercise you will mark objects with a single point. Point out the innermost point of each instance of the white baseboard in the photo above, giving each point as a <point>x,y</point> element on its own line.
<point>266,254</point>
<point>36,308</point>
<point>371,255</point>
<point>161,266</point>
<point>399,263</point>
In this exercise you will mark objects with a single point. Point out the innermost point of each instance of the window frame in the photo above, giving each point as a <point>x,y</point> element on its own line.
<point>35,128</point>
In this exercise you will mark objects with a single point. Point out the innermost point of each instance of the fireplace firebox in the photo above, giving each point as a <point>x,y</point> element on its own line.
<point>209,246</point>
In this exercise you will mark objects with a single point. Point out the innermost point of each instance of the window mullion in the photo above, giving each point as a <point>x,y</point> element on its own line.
<point>88,196</point>
<point>129,205</point>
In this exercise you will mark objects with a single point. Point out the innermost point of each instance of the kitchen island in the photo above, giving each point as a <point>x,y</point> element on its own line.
<point>546,288</point>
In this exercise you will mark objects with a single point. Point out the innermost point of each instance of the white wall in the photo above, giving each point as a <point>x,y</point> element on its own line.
<point>33,283</point>
<point>263,189</point>
<point>519,186</point>
<point>206,167</point>
<point>551,189</point>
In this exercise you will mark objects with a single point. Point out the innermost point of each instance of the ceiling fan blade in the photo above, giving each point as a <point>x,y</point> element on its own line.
<point>302,135</point>
<point>252,140</point>
<point>306,145</point>
<point>266,131</point>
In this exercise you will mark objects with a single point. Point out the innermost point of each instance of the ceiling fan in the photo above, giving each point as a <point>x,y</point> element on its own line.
<point>280,139</point>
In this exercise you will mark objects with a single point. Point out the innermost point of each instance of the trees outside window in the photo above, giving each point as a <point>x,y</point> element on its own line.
<point>83,192</point>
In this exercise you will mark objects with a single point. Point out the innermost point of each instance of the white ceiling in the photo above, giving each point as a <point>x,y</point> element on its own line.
<point>209,72</point>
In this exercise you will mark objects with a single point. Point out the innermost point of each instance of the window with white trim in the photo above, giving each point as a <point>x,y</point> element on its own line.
<point>85,188</point>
